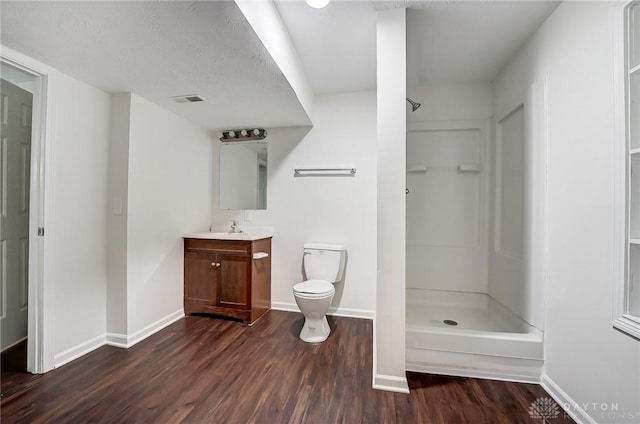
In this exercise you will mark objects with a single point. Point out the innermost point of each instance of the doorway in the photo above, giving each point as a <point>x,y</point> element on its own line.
<point>16,112</point>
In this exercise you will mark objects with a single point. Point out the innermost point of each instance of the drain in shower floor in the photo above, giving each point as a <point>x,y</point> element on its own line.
<point>450,322</point>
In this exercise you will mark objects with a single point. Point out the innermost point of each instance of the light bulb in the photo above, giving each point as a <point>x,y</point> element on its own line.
<point>232,134</point>
<point>244,133</point>
<point>256,132</point>
<point>317,4</point>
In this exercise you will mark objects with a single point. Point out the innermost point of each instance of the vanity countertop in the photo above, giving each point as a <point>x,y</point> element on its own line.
<point>247,234</point>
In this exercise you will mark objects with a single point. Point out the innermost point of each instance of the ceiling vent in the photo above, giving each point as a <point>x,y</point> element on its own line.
<point>190,98</point>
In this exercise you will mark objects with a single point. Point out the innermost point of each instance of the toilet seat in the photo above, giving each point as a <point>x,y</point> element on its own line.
<point>313,289</point>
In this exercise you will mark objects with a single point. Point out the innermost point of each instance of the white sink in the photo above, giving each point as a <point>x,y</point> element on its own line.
<point>247,234</point>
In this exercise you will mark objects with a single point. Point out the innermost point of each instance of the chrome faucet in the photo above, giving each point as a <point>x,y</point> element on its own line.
<point>235,227</point>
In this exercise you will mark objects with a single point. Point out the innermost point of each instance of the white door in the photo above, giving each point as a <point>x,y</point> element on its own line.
<point>15,151</point>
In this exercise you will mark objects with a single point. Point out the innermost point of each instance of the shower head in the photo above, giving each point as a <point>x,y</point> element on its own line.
<point>414,105</point>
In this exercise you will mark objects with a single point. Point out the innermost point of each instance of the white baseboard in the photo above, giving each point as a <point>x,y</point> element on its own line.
<point>114,339</point>
<point>390,383</point>
<point>572,409</point>
<point>284,306</point>
<point>117,340</point>
<point>333,311</point>
<point>77,351</point>
<point>126,341</point>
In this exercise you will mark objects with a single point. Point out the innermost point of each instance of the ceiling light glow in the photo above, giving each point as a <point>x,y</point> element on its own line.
<point>317,4</point>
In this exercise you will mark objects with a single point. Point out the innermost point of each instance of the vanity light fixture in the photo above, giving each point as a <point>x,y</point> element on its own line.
<point>317,4</point>
<point>243,135</point>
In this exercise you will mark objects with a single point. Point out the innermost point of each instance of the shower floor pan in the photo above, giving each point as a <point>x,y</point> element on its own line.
<point>469,334</point>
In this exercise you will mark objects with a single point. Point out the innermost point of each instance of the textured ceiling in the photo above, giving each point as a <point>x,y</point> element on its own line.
<point>158,50</point>
<point>447,41</point>
<point>468,41</point>
<point>337,44</point>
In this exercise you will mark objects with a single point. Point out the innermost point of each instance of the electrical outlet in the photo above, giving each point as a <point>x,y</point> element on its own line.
<point>247,216</point>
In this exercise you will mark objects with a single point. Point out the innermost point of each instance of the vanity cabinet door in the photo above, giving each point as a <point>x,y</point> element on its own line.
<point>234,281</point>
<point>200,276</point>
<point>230,278</point>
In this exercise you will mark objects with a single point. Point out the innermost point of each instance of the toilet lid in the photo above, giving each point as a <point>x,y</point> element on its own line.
<point>314,287</point>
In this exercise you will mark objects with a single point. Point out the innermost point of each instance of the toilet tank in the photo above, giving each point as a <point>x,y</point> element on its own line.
<point>324,261</point>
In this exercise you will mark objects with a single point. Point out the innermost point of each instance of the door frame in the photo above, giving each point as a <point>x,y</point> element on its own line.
<point>40,312</point>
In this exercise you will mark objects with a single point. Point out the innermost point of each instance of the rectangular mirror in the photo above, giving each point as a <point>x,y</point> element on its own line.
<point>243,175</point>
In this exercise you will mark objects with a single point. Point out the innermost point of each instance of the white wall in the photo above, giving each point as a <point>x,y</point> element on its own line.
<point>124,180</point>
<point>117,214</point>
<point>78,274</point>
<point>389,331</point>
<point>584,356</point>
<point>169,194</point>
<point>327,209</point>
<point>450,102</point>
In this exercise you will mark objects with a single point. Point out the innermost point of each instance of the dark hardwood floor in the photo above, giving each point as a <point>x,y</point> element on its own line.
<point>13,363</point>
<point>205,370</point>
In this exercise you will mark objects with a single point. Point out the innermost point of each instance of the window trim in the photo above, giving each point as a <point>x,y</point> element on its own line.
<point>622,321</point>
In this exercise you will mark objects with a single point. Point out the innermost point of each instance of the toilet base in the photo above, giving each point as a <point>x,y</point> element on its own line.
<point>315,330</point>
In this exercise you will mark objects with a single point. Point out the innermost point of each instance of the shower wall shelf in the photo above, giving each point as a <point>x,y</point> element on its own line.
<point>469,167</point>
<point>417,167</point>
<point>462,168</point>
<point>325,171</point>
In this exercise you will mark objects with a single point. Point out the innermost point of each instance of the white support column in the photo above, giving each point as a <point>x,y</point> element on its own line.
<point>389,329</point>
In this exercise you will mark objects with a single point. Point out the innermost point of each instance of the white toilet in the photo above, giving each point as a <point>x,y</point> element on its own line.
<point>323,267</point>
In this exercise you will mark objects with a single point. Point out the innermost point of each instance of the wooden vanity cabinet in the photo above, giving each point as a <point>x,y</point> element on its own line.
<point>230,278</point>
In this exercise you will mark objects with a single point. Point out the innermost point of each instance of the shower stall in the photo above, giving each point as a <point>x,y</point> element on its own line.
<point>473,300</point>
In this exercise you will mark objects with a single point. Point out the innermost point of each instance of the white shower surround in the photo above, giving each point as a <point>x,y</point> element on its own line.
<point>512,278</point>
